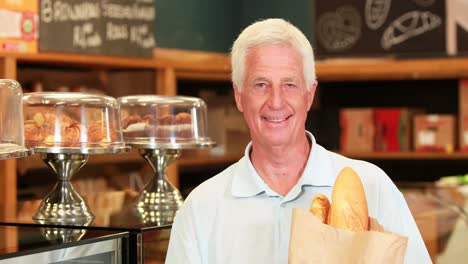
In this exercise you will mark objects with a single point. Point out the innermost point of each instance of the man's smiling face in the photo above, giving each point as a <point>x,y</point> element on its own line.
<point>274,97</point>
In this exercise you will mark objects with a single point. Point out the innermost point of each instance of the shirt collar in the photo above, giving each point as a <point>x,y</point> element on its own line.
<point>246,182</point>
<point>318,172</point>
<point>319,168</point>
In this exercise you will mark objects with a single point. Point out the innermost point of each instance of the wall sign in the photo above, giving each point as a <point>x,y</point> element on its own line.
<point>107,27</point>
<point>379,27</point>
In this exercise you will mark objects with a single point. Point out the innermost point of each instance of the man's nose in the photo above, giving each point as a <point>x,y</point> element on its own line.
<point>276,97</point>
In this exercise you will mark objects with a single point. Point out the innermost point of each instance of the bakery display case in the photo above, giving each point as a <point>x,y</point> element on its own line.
<point>26,244</point>
<point>162,126</point>
<point>65,128</point>
<point>11,125</point>
<point>114,211</point>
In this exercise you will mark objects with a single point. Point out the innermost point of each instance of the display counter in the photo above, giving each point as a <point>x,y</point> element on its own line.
<point>113,212</point>
<point>34,244</point>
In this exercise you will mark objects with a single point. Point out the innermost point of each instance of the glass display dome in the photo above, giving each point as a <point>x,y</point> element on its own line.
<point>171,122</point>
<point>58,122</point>
<point>11,116</point>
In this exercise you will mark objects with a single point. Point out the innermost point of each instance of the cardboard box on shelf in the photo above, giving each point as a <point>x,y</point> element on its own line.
<point>434,133</point>
<point>393,128</point>
<point>19,25</point>
<point>357,129</point>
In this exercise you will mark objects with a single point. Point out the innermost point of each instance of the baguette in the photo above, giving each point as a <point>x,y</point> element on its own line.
<point>349,205</point>
<point>320,207</point>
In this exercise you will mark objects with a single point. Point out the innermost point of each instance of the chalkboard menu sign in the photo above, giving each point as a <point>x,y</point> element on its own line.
<point>379,27</point>
<point>107,27</point>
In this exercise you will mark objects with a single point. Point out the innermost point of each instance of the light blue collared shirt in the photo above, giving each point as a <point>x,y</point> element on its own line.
<point>235,217</point>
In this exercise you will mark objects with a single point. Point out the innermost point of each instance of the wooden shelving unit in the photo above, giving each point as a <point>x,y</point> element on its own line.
<point>373,74</point>
<point>172,65</point>
<point>79,60</point>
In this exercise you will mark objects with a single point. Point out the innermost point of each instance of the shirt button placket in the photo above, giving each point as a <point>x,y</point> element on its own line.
<point>282,213</point>
<point>279,227</point>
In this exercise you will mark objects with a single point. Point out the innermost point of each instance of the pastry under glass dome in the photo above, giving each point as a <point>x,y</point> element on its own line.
<point>65,128</point>
<point>156,121</point>
<point>160,126</point>
<point>11,124</point>
<point>72,122</point>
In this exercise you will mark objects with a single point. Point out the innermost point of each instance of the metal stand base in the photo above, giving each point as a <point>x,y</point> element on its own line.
<point>63,205</point>
<point>160,200</point>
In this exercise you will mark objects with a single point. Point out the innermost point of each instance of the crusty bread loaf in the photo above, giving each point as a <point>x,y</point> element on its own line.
<point>349,205</point>
<point>320,207</point>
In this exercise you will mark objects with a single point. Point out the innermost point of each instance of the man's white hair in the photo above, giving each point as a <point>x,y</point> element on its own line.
<point>271,31</point>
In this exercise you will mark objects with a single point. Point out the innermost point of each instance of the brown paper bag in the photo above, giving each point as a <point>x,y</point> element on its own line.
<point>314,242</point>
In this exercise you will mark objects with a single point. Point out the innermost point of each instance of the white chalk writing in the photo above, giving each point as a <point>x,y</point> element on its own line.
<point>98,26</point>
<point>46,11</point>
<point>339,30</point>
<point>116,31</point>
<point>84,36</point>
<point>142,36</point>
<point>75,12</point>
<point>133,11</point>
<point>376,12</point>
<point>409,25</point>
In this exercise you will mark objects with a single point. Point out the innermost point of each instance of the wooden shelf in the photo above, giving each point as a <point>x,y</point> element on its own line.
<point>193,61</point>
<point>195,65</point>
<point>83,60</point>
<point>391,69</point>
<point>406,155</point>
<point>216,66</point>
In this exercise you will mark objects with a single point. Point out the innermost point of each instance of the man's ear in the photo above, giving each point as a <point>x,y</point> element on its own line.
<point>311,94</point>
<point>238,97</point>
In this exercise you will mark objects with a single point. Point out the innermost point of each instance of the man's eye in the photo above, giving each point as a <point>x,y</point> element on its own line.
<point>260,85</point>
<point>290,85</point>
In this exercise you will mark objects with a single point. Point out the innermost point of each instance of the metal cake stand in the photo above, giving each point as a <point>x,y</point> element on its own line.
<point>160,200</point>
<point>63,205</point>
